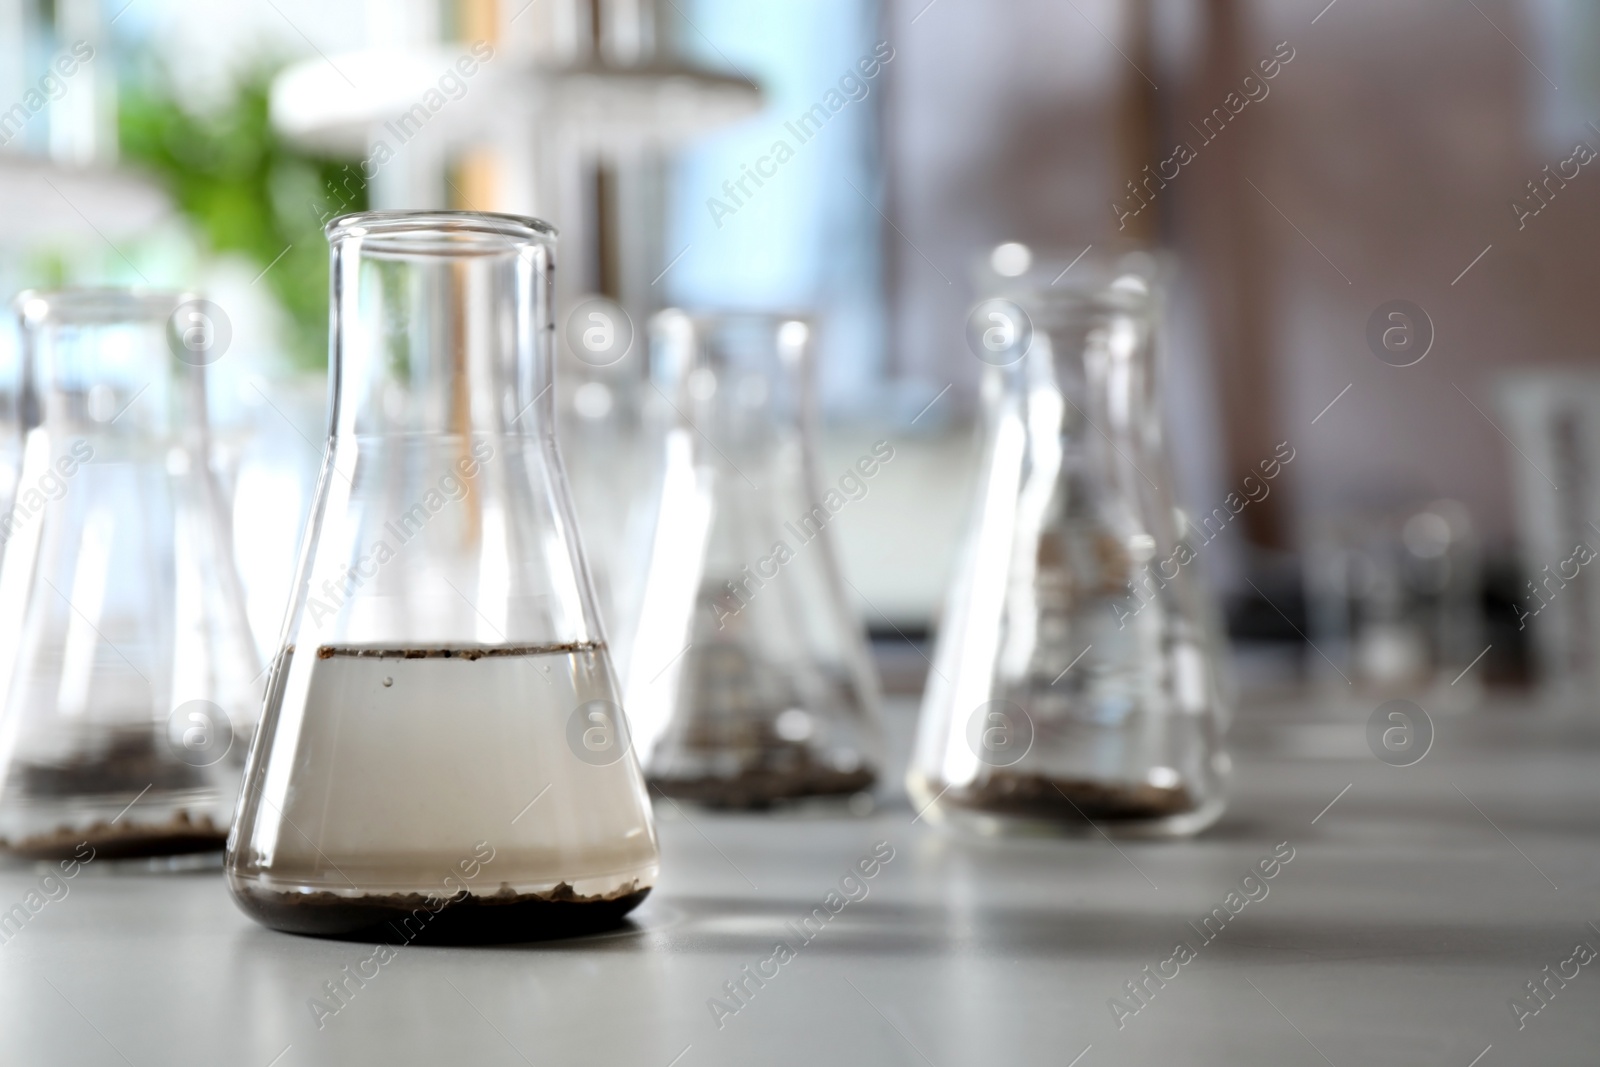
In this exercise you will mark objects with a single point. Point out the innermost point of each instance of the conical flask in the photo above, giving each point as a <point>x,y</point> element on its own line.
<point>130,677</point>
<point>1076,677</point>
<point>441,756</point>
<point>750,679</point>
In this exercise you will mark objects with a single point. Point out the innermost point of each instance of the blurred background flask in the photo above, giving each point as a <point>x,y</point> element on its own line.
<point>1553,419</point>
<point>1076,674</point>
<point>611,441</point>
<point>750,682</point>
<point>131,681</point>
<point>442,756</point>
<point>1396,605</point>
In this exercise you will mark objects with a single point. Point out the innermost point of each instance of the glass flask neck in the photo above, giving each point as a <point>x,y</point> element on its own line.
<point>92,367</point>
<point>747,372</point>
<point>1083,400</point>
<point>1097,349</point>
<point>436,324</point>
<point>443,519</point>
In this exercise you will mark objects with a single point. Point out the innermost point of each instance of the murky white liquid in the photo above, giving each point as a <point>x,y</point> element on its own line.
<point>399,766</point>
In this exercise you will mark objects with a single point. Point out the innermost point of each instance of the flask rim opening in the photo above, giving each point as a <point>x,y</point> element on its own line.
<point>441,233</point>
<point>97,305</point>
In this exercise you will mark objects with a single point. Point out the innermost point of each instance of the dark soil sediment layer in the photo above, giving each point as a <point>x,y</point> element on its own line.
<point>1069,800</point>
<point>180,835</point>
<point>422,919</point>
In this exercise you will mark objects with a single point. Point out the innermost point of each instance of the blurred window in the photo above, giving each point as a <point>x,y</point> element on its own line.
<point>796,229</point>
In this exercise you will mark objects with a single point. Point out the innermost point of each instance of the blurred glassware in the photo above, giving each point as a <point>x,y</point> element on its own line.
<point>1395,599</point>
<point>266,460</point>
<point>131,680</point>
<point>1553,418</point>
<point>1077,677</point>
<point>750,682</point>
<point>10,418</point>
<point>612,447</point>
<point>441,725</point>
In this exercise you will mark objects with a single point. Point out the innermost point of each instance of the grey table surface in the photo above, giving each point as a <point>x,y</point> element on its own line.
<point>1415,909</point>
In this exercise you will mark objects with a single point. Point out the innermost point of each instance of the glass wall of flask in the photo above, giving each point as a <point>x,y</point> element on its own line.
<point>750,682</point>
<point>1076,675</point>
<point>610,438</point>
<point>442,755</point>
<point>130,677</point>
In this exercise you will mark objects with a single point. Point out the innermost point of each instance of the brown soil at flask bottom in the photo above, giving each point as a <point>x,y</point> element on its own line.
<point>758,788</point>
<point>180,835</point>
<point>1071,800</point>
<point>420,919</point>
<point>131,761</point>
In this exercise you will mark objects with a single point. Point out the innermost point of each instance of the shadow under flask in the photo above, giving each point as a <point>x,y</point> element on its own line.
<point>442,756</point>
<point>131,679</point>
<point>750,678</point>
<point>1076,672</point>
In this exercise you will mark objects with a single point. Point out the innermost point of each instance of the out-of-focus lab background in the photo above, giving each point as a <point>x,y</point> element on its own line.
<point>1435,152</point>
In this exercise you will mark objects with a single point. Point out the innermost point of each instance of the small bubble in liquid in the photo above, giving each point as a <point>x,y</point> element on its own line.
<point>387,682</point>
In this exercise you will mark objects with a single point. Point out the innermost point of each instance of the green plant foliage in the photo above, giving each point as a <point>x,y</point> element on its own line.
<point>246,191</point>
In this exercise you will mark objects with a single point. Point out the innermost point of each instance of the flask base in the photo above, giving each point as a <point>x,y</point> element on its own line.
<point>180,835</point>
<point>1008,803</point>
<point>1069,799</point>
<point>421,919</point>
